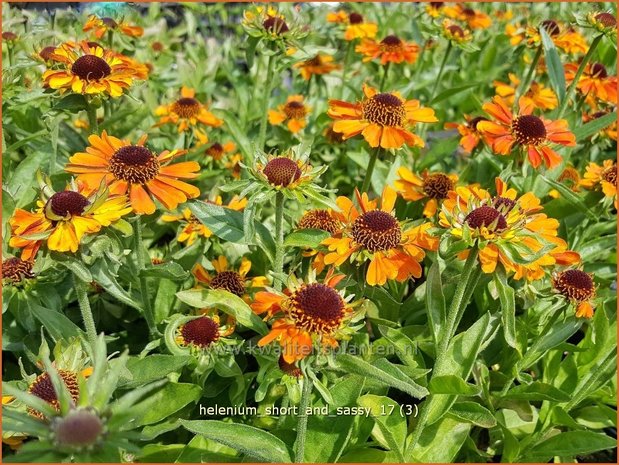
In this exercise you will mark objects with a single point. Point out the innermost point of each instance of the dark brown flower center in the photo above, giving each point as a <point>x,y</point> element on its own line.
<point>437,186</point>
<point>610,174</point>
<point>551,27</point>
<point>355,18</point>
<point>316,61</point>
<point>201,332</point>
<point>377,230</point>
<point>319,219</point>
<point>606,19</point>
<point>529,130</point>
<point>455,30</point>
<point>157,46</point>
<point>291,369</point>
<point>503,204</point>
<point>109,22</point>
<point>599,71</point>
<point>384,109</point>
<point>9,35</point>
<point>473,123</point>
<point>15,269</point>
<point>294,110</point>
<point>94,45</point>
<point>317,308</point>
<point>91,67</point>
<point>437,5</point>
<point>79,428</point>
<point>216,150</point>
<point>134,163</point>
<point>43,388</point>
<point>275,25</point>
<point>391,42</point>
<point>486,217</point>
<point>469,12</point>
<point>46,53</point>
<point>574,284</point>
<point>186,107</point>
<point>68,203</point>
<point>231,281</point>
<point>282,171</point>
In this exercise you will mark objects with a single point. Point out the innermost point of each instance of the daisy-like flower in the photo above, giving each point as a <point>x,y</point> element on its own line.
<point>325,220</point>
<point>571,178</point>
<point>43,388</point>
<point>318,65</point>
<point>528,132</point>
<point>567,39</point>
<point>307,315</point>
<point>435,9</point>
<point>15,270</point>
<point>187,113</point>
<point>507,229</point>
<point>593,82</point>
<point>269,24</point>
<point>455,33</point>
<point>602,177</point>
<point>204,332</point>
<point>87,69</point>
<point>577,287</point>
<point>391,49</point>
<point>192,228</point>
<point>62,219</point>
<point>474,19</point>
<point>431,187</point>
<point>102,25</point>
<point>230,279</point>
<point>572,42</point>
<point>537,95</point>
<point>602,21</point>
<point>46,54</point>
<point>294,112</point>
<point>285,171</point>
<point>471,135</point>
<point>374,234</point>
<point>383,119</point>
<point>357,27</point>
<point>218,151</point>
<point>135,170</point>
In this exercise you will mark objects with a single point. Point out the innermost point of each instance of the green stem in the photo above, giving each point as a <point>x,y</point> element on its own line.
<point>283,406</point>
<point>309,86</point>
<point>440,71</point>
<point>141,259</point>
<point>384,79</point>
<point>368,173</point>
<point>82,300</point>
<point>110,39</point>
<point>262,135</point>
<point>302,420</point>
<point>91,111</point>
<point>279,240</point>
<point>572,88</point>
<point>10,53</point>
<point>347,58</point>
<point>526,82</point>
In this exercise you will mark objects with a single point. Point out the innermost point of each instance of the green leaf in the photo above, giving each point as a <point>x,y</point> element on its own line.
<point>76,266</point>
<point>435,302</point>
<point>508,307</point>
<point>553,65</point>
<point>473,413</point>
<point>403,345</point>
<point>227,302</point>
<point>239,135</point>
<point>570,197</point>
<point>391,432</point>
<point>56,323</point>
<point>440,442</point>
<point>452,384</point>
<point>537,391</point>
<point>151,368</point>
<point>595,126</point>
<point>170,270</point>
<point>248,440</point>
<point>569,444</point>
<point>306,238</point>
<point>72,103</point>
<point>454,91</point>
<point>391,377</point>
<point>162,404</point>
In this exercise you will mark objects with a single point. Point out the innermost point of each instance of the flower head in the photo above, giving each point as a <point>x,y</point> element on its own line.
<point>218,151</point>
<point>471,135</point>
<point>356,25</point>
<point>455,33</point>
<point>62,219</point>
<point>474,19</point>
<point>43,388</point>
<point>294,112</point>
<point>88,69</point>
<point>603,21</point>
<point>578,287</point>
<point>203,332</point>
<point>15,270</point>
<point>431,187</point>
<point>602,177</point>
<point>383,119</point>
<point>102,25</point>
<point>233,280</point>
<point>594,82</point>
<point>318,65</point>
<point>538,95</point>
<point>530,133</point>
<point>188,114</point>
<point>391,49</point>
<point>135,170</point>
<point>374,234</point>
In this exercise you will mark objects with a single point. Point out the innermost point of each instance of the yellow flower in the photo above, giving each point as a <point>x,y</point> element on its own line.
<point>229,279</point>
<point>294,111</point>
<point>391,49</point>
<point>434,187</point>
<point>320,64</point>
<point>578,287</point>
<point>537,95</point>
<point>102,25</point>
<point>602,177</point>
<point>475,19</point>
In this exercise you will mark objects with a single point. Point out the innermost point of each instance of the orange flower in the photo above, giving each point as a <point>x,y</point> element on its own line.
<point>475,19</point>
<point>530,133</point>
<point>102,25</point>
<point>571,42</point>
<point>135,170</point>
<point>187,113</point>
<point>391,49</point>
<point>217,151</point>
<point>568,40</point>
<point>471,136</point>
<point>435,9</point>
<point>594,81</point>
<point>357,27</point>
<point>454,33</point>
<point>602,177</point>
<point>381,118</point>
<point>320,64</point>
<point>578,287</point>
<point>537,95</point>
<point>434,187</point>
<point>294,111</point>
<point>375,234</point>
<point>306,314</point>
<point>569,177</point>
<point>88,69</point>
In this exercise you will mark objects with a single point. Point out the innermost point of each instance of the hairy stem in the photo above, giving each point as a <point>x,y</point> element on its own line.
<point>141,259</point>
<point>279,240</point>
<point>265,104</point>
<point>368,173</point>
<point>82,300</point>
<point>302,420</point>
